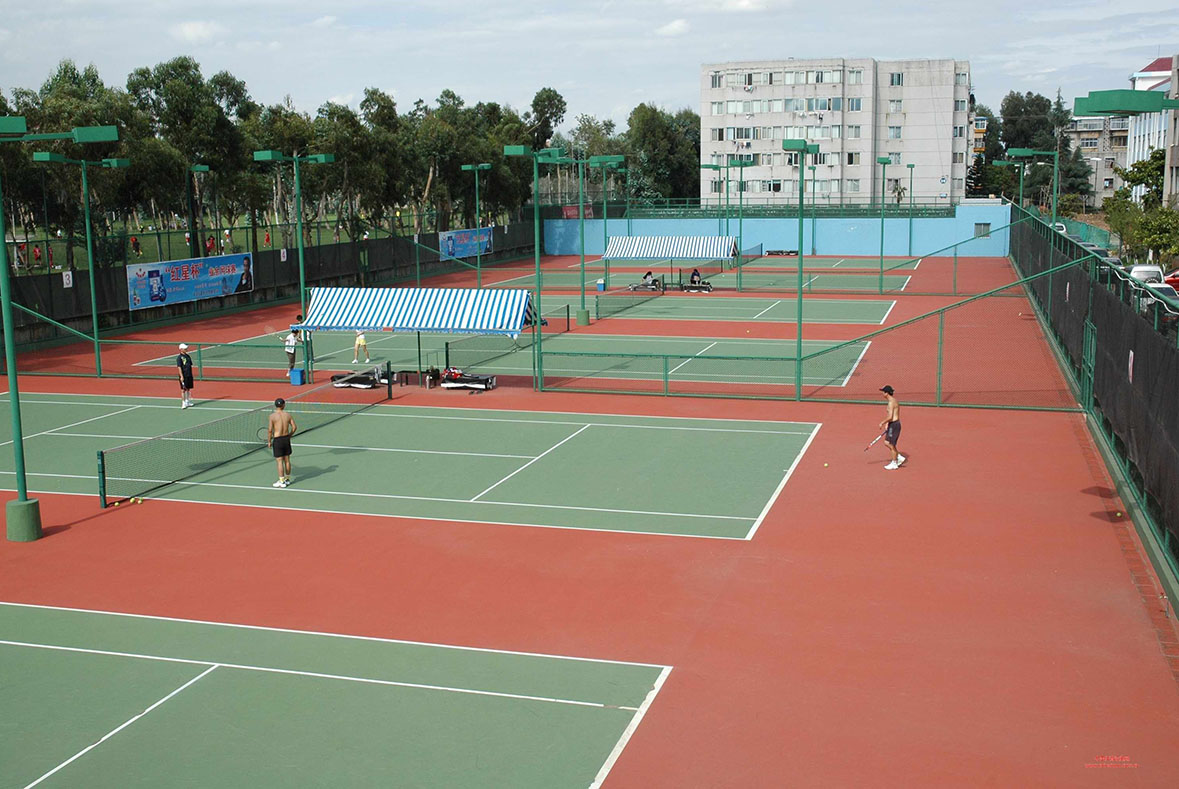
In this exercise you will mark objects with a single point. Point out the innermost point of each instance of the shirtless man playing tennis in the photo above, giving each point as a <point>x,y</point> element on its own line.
<point>891,425</point>
<point>278,437</point>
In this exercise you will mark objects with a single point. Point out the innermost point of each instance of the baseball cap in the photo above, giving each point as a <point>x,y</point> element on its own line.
<point>886,389</point>
<point>183,347</point>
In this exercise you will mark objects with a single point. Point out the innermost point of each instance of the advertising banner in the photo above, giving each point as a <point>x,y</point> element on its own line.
<point>155,284</point>
<point>464,243</point>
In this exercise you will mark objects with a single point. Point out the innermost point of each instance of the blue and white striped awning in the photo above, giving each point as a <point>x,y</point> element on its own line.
<point>445,310</point>
<point>674,247</point>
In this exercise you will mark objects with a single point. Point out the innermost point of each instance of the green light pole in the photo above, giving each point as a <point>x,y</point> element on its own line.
<point>42,156</point>
<point>911,168</point>
<point>883,161</point>
<point>545,155</point>
<point>1020,165</point>
<point>626,170</point>
<point>1025,153</point>
<point>194,243</point>
<point>718,168</point>
<point>814,208</point>
<point>583,312</point>
<point>606,163</point>
<point>478,236</point>
<point>740,164</point>
<point>316,158</point>
<point>23,515</point>
<point>799,148</point>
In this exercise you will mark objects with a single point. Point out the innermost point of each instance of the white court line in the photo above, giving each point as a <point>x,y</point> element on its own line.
<point>318,446</point>
<point>856,363</point>
<point>324,634</point>
<point>797,458</point>
<point>892,305</point>
<point>918,264</point>
<point>635,720</point>
<point>529,463</point>
<point>767,309</point>
<point>74,424</point>
<point>312,674</point>
<point>118,729</point>
<point>685,361</point>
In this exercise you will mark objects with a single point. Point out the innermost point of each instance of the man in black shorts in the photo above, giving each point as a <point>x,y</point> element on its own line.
<point>184,373</point>
<point>891,425</point>
<point>281,427</point>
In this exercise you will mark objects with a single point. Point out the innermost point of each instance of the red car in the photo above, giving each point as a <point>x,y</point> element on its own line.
<point>1172,278</point>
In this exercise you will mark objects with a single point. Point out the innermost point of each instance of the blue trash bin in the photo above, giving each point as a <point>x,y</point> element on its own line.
<point>297,376</point>
<point>601,284</point>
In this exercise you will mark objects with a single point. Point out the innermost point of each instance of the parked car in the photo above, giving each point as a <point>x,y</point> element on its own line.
<point>1096,249</point>
<point>1146,272</point>
<point>1060,228</point>
<point>1163,298</point>
<point>1172,278</point>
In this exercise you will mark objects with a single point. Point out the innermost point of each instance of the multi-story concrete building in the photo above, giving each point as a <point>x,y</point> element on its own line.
<point>1171,173</point>
<point>1103,143</point>
<point>1148,132</point>
<point>916,112</point>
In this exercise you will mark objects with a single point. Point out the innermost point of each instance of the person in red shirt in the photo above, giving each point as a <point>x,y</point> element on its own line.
<point>210,247</point>
<point>37,255</point>
<point>267,242</point>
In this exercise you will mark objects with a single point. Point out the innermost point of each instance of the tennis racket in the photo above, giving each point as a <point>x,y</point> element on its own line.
<point>873,441</point>
<point>264,434</point>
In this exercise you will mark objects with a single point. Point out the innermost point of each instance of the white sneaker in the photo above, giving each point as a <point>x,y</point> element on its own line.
<point>892,466</point>
<point>354,361</point>
<point>901,460</point>
<point>277,484</point>
<point>286,483</point>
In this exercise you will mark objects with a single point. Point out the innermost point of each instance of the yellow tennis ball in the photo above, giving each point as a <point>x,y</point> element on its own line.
<point>116,503</point>
<point>825,465</point>
<point>1119,514</point>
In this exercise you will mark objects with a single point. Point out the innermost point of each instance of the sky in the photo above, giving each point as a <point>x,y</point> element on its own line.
<point>604,57</point>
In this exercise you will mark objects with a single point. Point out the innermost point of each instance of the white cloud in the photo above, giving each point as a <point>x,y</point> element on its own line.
<point>324,21</point>
<point>195,32</point>
<point>345,99</point>
<point>676,27</point>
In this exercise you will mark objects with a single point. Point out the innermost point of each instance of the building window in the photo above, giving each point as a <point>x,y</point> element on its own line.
<point>853,105</point>
<point>891,184</point>
<point>717,135</point>
<point>960,106</point>
<point>982,229</point>
<point>718,108</point>
<point>959,185</point>
<point>716,79</point>
<point>1118,140</point>
<point>771,186</point>
<point>836,132</point>
<point>851,185</point>
<point>853,132</point>
<point>714,187</point>
<point>896,79</point>
<point>1107,183</point>
<point>959,131</point>
<point>792,159</point>
<point>980,124</point>
<point>894,132</point>
<point>1089,142</point>
<point>959,157</point>
<point>853,157</point>
<point>855,77</point>
<point>961,78</point>
<point>894,105</point>
<point>894,158</point>
<point>837,104</point>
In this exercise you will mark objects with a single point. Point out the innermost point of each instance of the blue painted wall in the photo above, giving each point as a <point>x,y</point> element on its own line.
<point>832,236</point>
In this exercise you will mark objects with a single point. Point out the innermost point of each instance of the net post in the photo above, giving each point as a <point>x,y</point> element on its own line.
<point>101,479</point>
<point>308,356</point>
<point>419,335</point>
<point>941,334</point>
<point>446,357</point>
<point>200,364</point>
<point>389,379</point>
<point>666,376</point>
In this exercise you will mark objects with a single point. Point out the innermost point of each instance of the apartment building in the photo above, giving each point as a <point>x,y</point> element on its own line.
<point>1148,131</point>
<point>1103,142</point>
<point>915,112</point>
<point>1171,173</point>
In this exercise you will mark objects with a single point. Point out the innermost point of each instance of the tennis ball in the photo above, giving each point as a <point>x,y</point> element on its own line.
<point>116,503</point>
<point>1119,514</point>
<point>825,465</point>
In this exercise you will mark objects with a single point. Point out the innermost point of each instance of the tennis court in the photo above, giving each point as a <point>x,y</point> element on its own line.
<point>787,279</point>
<point>544,469</point>
<point>892,263</point>
<point>714,307</point>
<point>107,699</point>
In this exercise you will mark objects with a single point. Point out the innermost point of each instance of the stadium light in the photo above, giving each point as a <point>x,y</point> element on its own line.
<point>477,168</point>
<point>883,161</point>
<point>1027,153</point>
<point>22,514</point>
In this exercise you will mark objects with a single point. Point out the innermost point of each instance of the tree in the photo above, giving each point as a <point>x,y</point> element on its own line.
<point>1147,173</point>
<point>992,140</point>
<point>1125,218</point>
<point>899,191</point>
<point>976,178</point>
<point>666,152</point>
<point>1076,176</point>
<point>1027,121</point>
<point>548,110</point>
<point>1160,232</point>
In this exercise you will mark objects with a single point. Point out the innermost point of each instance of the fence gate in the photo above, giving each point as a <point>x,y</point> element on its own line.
<point>1088,358</point>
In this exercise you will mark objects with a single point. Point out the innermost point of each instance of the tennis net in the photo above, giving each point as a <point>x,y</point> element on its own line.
<point>752,255</point>
<point>141,467</point>
<point>707,268</point>
<point>479,349</point>
<point>623,299</point>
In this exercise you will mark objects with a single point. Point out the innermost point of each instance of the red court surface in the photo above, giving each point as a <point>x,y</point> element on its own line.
<point>979,617</point>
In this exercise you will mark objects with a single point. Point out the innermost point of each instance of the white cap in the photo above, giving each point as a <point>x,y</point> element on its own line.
<point>183,347</point>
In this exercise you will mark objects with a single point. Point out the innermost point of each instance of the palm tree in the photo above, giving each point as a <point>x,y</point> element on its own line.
<point>899,191</point>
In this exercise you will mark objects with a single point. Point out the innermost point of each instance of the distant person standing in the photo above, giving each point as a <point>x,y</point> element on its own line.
<point>210,246</point>
<point>290,342</point>
<point>135,247</point>
<point>184,373</point>
<point>891,425</point>
<point>361,344</point>
<point>267,241</point>
<point>279,431</point>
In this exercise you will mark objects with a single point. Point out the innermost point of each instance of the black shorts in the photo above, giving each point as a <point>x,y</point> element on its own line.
<point>281,446</point>
<point>186,384</point>
<point>291,358</point>
<point>892,433</point>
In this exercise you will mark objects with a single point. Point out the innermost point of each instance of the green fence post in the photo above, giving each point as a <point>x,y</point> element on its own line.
<point>101,480</point>
<point>666,376</point>
<point>417,261</point>
<point>955,270</point>
<point>941,332</point>
<point>200,364</point>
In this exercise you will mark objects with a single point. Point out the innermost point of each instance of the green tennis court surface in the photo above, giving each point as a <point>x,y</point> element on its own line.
<point>714,307</point>
<point>787,279</point>
<point>102,699</point>
<point>537,469</point>
<point>832,261</point>
<point>700,359</point>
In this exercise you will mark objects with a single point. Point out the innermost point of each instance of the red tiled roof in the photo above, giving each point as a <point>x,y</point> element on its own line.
<point>1158,64</point>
